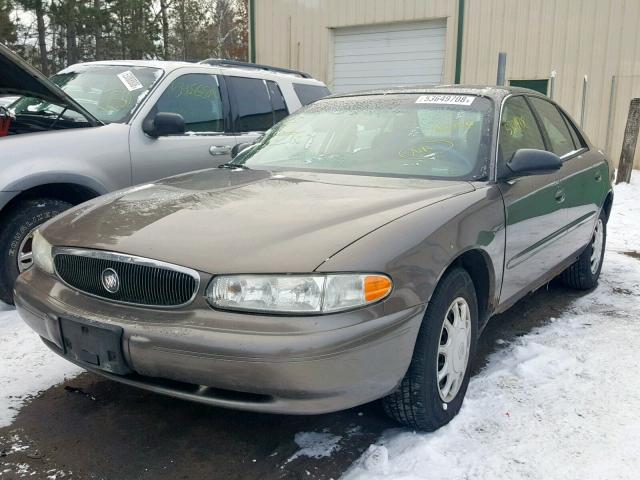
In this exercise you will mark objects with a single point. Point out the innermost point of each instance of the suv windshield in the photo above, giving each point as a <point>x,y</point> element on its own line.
<point>435,136</point>
<point>109,92</point>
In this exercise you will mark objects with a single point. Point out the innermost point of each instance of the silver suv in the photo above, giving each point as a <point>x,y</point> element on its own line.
<point>114,124</point>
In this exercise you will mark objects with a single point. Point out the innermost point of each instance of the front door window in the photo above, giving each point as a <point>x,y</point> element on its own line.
<point>196,97</point>
<point>518,129</point>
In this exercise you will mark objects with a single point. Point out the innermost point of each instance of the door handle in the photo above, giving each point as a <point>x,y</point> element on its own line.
<point>598,176</point>
<point>219,150</point>
<point>559,196</point>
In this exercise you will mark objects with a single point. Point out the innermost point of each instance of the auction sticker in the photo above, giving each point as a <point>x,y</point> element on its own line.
<point>130,80</point>
<point>446,99</point>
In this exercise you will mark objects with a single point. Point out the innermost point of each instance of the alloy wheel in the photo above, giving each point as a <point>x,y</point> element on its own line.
<point>25,253</point>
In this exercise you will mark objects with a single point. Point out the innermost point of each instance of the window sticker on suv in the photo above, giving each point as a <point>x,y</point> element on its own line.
<point>130,80</point>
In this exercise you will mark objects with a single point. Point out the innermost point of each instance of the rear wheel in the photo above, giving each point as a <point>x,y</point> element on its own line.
<point>16,237</point>
<point>584,273</point>
<point>431,393</point>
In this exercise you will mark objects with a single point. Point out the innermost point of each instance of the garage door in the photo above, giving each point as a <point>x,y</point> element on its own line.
<point>387,55</point>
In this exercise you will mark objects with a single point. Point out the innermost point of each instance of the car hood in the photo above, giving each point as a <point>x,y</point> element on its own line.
<point>19,78</point>
<point>231,221</point>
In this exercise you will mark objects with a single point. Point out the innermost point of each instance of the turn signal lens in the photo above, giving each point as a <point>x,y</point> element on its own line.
<point>376,287</point>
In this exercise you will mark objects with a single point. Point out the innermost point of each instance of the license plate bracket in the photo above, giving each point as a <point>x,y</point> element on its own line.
<point>95,344</point>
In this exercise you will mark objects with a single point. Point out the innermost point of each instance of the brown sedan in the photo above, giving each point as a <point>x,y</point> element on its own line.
<point>354,253</point>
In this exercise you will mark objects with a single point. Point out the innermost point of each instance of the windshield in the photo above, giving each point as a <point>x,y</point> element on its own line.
<point>435,136</point>
<point>109,92</point>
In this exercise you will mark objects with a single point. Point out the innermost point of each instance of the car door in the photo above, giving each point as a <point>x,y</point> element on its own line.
<point>200,98</point>
<point>256,105</point>
<point>533,205</point>
<point>584,174</point>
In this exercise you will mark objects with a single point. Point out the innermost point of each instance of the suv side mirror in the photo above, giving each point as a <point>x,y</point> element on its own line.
<point>162,124</point>
<point>240,147</point>
<point>529,161</point>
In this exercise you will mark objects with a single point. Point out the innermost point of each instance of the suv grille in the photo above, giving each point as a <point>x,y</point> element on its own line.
<point>124,278</point>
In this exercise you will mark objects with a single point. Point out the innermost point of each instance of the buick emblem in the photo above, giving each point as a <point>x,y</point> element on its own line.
<point>110,280</point>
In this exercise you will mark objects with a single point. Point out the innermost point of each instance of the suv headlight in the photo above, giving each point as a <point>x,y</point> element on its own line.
<point>297,294</point>
<point>41,251</point>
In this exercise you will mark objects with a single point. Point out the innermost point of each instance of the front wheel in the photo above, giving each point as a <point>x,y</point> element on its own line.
<point>16,236</point>
<point>584,273</point>
<point>431,392</point>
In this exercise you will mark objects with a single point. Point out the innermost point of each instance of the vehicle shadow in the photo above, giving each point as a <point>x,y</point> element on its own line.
<point>101,429</point>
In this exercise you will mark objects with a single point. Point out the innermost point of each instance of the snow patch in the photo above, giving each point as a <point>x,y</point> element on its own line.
<point>315,445</point>
<point>623,226</point>
<point>27,366</point>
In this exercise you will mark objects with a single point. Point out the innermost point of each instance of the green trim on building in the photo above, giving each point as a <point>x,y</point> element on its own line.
<point>540,85</point>
<point>252,31</point>
<point>459,40</point>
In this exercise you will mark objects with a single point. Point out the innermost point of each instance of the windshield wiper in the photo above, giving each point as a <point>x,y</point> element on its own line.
<point>232,165</point>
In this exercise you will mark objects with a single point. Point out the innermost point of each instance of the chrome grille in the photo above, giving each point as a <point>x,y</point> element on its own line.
<point>140,281</point>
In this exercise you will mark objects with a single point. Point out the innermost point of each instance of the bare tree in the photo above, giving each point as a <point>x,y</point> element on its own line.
<point>223,25</point>
<point>164,15</point>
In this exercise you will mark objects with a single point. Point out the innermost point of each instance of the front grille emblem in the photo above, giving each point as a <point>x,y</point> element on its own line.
<point>110,280</point>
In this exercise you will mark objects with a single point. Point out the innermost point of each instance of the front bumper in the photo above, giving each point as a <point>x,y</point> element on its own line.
<point>295,365</point>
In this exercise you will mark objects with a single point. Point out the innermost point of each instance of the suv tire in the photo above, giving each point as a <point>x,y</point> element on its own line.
<point>25,217</point>
<point>420,401</point>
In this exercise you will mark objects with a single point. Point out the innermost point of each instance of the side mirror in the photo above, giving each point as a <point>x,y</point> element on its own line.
<point>162,124</point>
<point>240,147</point>
<point>529,161</point>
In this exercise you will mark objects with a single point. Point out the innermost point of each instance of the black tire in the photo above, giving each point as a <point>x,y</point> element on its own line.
<point>580,275</point>
<point>417,402</point>
<point>18,223</point>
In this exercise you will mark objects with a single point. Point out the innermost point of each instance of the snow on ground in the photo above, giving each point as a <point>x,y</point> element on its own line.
<point>315,445</point>
<point>27,366</point>
<point>563,402</point>
<point>624,224</point>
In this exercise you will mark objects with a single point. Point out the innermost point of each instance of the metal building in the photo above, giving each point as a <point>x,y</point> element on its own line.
<point>584,53</point>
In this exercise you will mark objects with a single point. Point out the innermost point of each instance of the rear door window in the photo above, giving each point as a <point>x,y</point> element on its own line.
<point>195,96</point>
<point>252,102</point>
<point>277,101</point>
<point>578,139</point>
<point>310,93</point>
<point>518,128</point>
<point>558,133</point>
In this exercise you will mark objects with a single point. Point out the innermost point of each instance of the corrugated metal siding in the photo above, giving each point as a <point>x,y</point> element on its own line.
<point>597,38</point>
<point>299,33</point>
<point>575,38</point>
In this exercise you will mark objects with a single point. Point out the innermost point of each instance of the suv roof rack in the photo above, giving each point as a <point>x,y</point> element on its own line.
<point>221,62</point>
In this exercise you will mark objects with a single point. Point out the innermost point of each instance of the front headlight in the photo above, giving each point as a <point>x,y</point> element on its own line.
<point>297,294</point>
<point>41,250</point>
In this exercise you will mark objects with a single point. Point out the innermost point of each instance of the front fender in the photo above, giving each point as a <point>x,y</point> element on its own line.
<point>6,197</point>
<point>415,250</point>
<point>95,158</point>
<point>48,177</point>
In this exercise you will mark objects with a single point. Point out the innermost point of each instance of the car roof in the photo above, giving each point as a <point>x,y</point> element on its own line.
<point>491,91</point>
<point>169,66</point>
